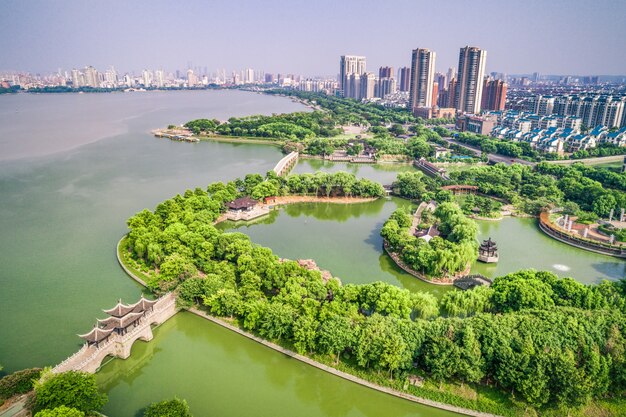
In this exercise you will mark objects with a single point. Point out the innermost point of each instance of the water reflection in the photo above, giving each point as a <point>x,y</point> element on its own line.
<point>190,363</point>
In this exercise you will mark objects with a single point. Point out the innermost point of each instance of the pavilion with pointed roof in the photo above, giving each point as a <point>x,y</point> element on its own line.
<point>121,318</point>
<point>488,251</point>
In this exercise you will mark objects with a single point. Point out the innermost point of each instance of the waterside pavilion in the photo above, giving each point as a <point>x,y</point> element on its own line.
<point>488,251</point>
<point>245,208</point>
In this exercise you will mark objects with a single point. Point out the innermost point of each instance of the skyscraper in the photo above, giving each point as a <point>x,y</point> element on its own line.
<point>422,78</point>
<point>75,78</point>
<point>471,73</point>
<point>146,76</point>
<point>348,65</point>
<point>159,78</point>
<point>248,76</point>
<point>386,82</point>
<point>368,81</point>
<point>385,72</point>
<point>192,79</point>
<point>91,77</point>
<point>404,74</point>
<point>494,95</point>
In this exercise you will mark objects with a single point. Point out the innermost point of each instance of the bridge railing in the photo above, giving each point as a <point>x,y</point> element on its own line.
<point>284,162</point>
<point>161,305</point>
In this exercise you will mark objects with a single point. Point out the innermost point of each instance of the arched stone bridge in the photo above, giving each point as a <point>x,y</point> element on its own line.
<point>286,164</point>
<point>90,356</point>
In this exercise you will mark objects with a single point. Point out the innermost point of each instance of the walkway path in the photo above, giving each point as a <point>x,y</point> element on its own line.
<point>417,218</point>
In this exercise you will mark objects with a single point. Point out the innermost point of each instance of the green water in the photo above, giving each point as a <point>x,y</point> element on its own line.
<point>62,214</point>
<point>522,245</point>
<point>342,238</point>
<point>73,168</point>
<point>221,373</point>
<point>382,173</point>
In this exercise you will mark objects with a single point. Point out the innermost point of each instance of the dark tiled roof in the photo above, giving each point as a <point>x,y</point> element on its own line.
<point>242,203</point>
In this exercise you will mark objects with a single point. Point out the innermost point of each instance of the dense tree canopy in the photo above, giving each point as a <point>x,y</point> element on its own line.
<point>61,411</point>
<point>168,408</point>
<point>441,256</point>
<point>72,389</point>
<point>544,340</point>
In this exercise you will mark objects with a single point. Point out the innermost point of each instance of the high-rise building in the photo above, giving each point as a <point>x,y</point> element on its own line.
<point>368,83</point>
<point>422,78</point>
<point>404,75</point>
<point>452,87</point>
<point>75,78</point>
<point>91,77</point>
<point>269,78</point>
<point>471,74</point>
<point>248,76</point>
<point>386,86</point>
<point>192,79</point>
<point>385,72</point>
<point>442,80</point>
<point>435,94</point>
<point>159,78</point>
<point>146,76</point>
<point>494,95</point>
<point>348,65</point>
<point>451,74</point>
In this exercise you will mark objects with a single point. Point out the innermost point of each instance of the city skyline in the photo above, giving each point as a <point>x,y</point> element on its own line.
<point>272,38</point>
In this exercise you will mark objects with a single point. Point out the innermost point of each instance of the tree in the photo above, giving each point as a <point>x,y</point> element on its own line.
<point>168,408</point>
<point>397,130</point>
<point>264,189</point>
<point>410,184</point>
<point>19,382</point>
<point>521,290</point>
<point>61,411</point>
<point>73,389</point>
<point>277,322</point>
<point>603,205</point>
<point>335,335</point>
<point>177,267</point>
<point>305,333</point>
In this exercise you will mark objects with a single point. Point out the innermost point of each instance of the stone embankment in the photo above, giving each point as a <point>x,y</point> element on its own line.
<point>326,368</point>
<point>336,372</point>
<point>550,229</point>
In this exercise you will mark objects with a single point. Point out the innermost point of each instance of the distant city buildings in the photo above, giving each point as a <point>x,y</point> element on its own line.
<point>404,75</point>
<point>386,83</point>
<point>422,78</point>
<point>465,93</point>
<point>471,74</point>
<point>550,134</point>
<point>351,68</point>
<point>494,95</point>
<point>592,109</point>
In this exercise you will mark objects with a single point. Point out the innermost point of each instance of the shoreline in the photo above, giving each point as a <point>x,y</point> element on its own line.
<point>314,363</point>
<point>336,372</point>
<point>238,139</point>
<point>294,199</point>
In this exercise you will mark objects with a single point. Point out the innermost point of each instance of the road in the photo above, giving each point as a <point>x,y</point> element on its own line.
<point>493,157</point>
<point>590,161</point>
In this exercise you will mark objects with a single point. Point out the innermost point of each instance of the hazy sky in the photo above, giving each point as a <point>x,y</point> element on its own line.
<point>307,36</point>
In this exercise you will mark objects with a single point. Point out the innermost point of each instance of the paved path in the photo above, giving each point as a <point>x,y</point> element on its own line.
<point>493,157</point>
<point>590,161</point>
